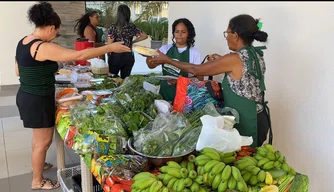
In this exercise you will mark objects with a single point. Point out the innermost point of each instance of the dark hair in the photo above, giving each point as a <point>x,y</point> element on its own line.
<point>191,30</point>
<point>83,22</point>
<point>42,14</point>
<point>246,27</point>
<point>123,17</point>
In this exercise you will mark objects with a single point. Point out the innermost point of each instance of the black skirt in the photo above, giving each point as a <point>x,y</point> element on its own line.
<point>36,111</point>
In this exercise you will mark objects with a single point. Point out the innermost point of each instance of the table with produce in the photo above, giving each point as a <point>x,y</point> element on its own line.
<point>133,140</point>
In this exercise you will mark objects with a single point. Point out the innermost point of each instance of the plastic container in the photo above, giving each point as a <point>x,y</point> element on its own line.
<point>70,180</point>
<point>80,44</point>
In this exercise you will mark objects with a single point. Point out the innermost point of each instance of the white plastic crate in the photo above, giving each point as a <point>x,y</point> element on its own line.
<point>65,177</point>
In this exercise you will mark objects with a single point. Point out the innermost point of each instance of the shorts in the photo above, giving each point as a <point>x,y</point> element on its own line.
<point>36,111</point>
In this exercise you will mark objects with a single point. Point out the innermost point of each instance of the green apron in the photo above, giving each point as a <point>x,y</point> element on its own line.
<point>248,125</point>
<point>167,91</point>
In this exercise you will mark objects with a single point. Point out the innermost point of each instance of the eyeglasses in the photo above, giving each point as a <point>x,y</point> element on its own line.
<point>58,35</point>
<point>226,33</point>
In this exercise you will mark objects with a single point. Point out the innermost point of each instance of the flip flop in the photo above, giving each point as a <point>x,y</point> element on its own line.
<point>53,185</point>
<point>46,166</point>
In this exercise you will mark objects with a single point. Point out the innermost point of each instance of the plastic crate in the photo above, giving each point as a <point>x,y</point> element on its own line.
<point>70,180</point>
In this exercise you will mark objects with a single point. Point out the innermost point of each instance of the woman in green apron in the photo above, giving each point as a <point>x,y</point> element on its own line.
<point>182,49</point>
<point>243,83</point>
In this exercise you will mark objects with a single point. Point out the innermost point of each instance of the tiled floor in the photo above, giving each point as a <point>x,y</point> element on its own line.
<point>15,148</point>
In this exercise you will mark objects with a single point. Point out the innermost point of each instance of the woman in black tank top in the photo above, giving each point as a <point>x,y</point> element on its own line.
<point>36,64</point>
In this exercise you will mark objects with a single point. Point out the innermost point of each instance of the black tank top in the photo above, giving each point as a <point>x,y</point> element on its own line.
<point>36,77</point>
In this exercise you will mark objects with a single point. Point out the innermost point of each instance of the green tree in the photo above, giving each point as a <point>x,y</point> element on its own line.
<point>151,9</point>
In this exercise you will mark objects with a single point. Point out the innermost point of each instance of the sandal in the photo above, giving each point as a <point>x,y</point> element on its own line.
<point>52,185</point>
<point>46,166</point>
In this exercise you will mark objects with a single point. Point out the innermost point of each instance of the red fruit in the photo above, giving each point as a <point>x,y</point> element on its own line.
<point>110,182</point>
<point>122,181</point>
<point>244,153</point>
<point>121,188</point>
<point>106,188</point>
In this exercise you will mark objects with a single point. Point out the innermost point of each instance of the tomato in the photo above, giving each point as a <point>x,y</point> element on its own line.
<point>106,188</point>
<point>244,153</point>
<point>110,182</point>
<point>122,181</point>
<point>247,148</point>
<point>121,188</point>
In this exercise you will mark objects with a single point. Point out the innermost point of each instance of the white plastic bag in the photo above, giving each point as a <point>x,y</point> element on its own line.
<point>150,87</point>
<point>214,135</point>
<point>163,106</point>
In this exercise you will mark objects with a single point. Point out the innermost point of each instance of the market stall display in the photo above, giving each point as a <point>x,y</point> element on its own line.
<point>132,140</point>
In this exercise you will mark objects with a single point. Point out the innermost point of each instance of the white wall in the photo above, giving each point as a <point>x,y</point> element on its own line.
<point>15,26</point>
<point>300,66</point>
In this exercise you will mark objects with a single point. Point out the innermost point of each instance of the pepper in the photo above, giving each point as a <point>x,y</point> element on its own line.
<point>247,148</point>
<point>122,181</point>
<point>110,182</point>
<point>120,188</point>
<point>244,153</point>
<point>106,188</point>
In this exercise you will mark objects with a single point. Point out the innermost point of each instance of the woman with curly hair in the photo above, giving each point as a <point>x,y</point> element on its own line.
<point>182,49</point>
<point>86,27</point>
<point>36,65</point>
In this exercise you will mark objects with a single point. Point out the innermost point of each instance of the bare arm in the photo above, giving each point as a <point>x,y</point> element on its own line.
<point>226,63</point>
<point>89,33</point>
<point>141,37</point>
<point>53,52</point>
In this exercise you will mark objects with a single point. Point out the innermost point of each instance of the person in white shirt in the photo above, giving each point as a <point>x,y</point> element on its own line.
<point>182,49</point>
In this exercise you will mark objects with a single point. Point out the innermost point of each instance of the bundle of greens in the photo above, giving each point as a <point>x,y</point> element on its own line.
<point>135,120</point>
<point>159,136</point>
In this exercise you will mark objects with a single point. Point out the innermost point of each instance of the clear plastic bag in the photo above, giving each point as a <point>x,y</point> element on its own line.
<point>211,110</point>
<point>187,143</point>
<point>84,144</point>
<point>124,166</point>
<point>159,136</point>
<point>108,125</point>
<point>110,144</point>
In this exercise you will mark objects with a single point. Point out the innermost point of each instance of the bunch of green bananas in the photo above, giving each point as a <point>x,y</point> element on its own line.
<point>182,177</point>
<point>146,181</point>
<point>213,166</point>
<point>208,154</point>
<point>249,170</point>
<point>269,159</point>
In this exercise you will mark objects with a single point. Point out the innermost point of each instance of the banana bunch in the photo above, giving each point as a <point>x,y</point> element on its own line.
<point>146,181</point>
<point>208,154</point>
<point>269,159</point>
<point>229,177</point>
<point>181,177</point>
<point>249,170</point>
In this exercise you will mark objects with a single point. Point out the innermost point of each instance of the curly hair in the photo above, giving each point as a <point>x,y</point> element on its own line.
<point>42,14</point>
<point>83,22</point>
<point>190,28</point>
<point>246,27</point>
